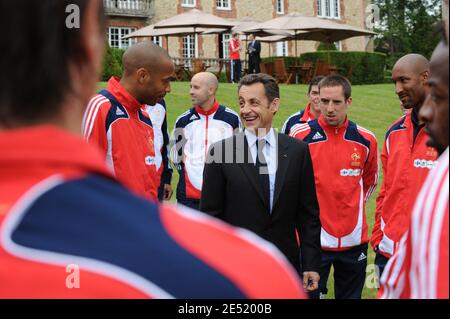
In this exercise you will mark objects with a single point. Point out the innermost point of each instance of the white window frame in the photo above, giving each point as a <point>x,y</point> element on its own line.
<point>282,49</point>
<point>223,5</point>
<point>121,43</point>
<point>189,46</point>
<point>226,37</point>
<point>189,3</point>
<point>330,9</point>
<point>279,6</point>
<point>158,41</point>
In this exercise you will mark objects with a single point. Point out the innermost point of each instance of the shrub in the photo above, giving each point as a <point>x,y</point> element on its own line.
<point>365,67</point>
<point>327,47</point>
<point>112,63</point>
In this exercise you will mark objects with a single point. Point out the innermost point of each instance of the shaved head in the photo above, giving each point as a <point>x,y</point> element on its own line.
<point>203,91</point>
<point>208,79</point>
<point>145,55</point>
<point>148,70</point>
<point>410,75</point>
<point>414,63</point>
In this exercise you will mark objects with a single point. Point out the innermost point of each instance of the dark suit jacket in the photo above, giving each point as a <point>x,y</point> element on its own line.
<point>256,55</point>
<point>233,192</point>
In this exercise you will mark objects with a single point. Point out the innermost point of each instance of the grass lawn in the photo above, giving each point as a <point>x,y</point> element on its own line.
<point>375,107</point>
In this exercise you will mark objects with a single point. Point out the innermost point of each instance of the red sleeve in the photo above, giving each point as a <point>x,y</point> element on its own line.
<point>371,170</point>
<point>94,123</point>
<point>377,234</point>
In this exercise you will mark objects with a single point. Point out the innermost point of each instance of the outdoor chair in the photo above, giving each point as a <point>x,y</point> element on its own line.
<point>281,73</point>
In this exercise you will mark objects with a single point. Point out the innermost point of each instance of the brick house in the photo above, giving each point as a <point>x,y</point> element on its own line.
<point>125,16</point>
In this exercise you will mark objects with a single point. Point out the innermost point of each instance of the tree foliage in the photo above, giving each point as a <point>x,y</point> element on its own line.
<point>407,26</point>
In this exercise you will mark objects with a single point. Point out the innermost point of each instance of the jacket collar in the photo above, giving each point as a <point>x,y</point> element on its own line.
<point>328,128</point>
<point>307,115</point>
<point>213,110</point>
<point>123,96</point>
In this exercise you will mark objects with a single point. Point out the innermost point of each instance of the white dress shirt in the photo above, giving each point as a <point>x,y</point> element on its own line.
<point>270,152</point>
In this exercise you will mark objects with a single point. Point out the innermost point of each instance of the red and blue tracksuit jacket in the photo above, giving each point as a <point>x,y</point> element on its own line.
<point>115,122</point>
<point>298,119</point>
<point>406,161</point>
<point>345,162</point>
<point>63,216</point>
<point>195,131</point>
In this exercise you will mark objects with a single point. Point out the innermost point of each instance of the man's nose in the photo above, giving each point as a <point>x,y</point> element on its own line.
<point>398,88</point>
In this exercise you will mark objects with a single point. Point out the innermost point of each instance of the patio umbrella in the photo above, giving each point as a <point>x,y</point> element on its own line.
<point>319,29</point>
<point>150,31</point>
<point>196,19</point>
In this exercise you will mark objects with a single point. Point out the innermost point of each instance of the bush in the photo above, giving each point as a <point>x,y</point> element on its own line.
<point>327,47</point>
<point>112,63</point>
<point>366,68</point>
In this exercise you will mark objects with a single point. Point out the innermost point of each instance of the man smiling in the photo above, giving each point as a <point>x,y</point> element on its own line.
<point>268,186</point>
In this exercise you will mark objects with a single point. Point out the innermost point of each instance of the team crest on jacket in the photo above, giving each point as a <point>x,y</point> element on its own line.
<point>356,159</point>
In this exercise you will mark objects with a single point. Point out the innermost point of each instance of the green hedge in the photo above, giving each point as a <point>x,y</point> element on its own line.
<point>368,68</point>
<point>112,63</point>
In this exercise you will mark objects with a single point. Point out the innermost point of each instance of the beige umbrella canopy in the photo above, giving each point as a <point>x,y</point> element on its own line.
<point>311,28</point>
<point>150,31</point>
<point>196,19</point>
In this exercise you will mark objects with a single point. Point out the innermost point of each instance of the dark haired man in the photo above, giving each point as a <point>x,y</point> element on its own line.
<point>67,228</point>
<point>264,182</point>
<point>311,112</point>
<point>345,160</point>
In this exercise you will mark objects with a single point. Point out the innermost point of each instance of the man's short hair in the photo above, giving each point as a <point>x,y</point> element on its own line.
<point>337,80</point>
<point>315,81</point>
<point>272,90</point>
<point>35,77</point>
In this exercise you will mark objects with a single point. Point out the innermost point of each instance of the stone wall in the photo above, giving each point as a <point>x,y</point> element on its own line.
<point>352,12</point>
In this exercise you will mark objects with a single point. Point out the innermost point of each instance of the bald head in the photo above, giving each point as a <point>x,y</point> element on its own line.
<point>203,91</point>
<point>410,75</point>
<point>414,63</point>
<point>207,79</point>
<point>148,70</point>
<point>145,55</point>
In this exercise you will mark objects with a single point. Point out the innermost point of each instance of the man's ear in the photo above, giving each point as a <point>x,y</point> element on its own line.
<point>349,101</point>
<point>142,75</point>
<point>92,37</point>
<point>424,77</point>
<point>275,106</point>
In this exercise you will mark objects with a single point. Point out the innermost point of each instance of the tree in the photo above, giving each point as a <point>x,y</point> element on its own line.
<point>407,26</point>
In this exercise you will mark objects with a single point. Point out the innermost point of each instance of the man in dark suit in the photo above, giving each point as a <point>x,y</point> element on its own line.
<point>254,55</point>
<point>264,181</point>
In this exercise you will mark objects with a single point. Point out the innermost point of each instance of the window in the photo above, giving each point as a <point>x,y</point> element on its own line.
<point>189,46</point>
<point>328,9</point>
<point>223,4</point>
<point>226,45</point>
<point>282,49</point>
<point>157,41</point>
<point>115,37</point>
<point>123,4</point>
<point>188,3</point>
<point>280,6</point>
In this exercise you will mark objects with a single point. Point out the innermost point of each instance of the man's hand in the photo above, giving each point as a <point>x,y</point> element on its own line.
<point>311,281</point>
<point>168,192</point>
